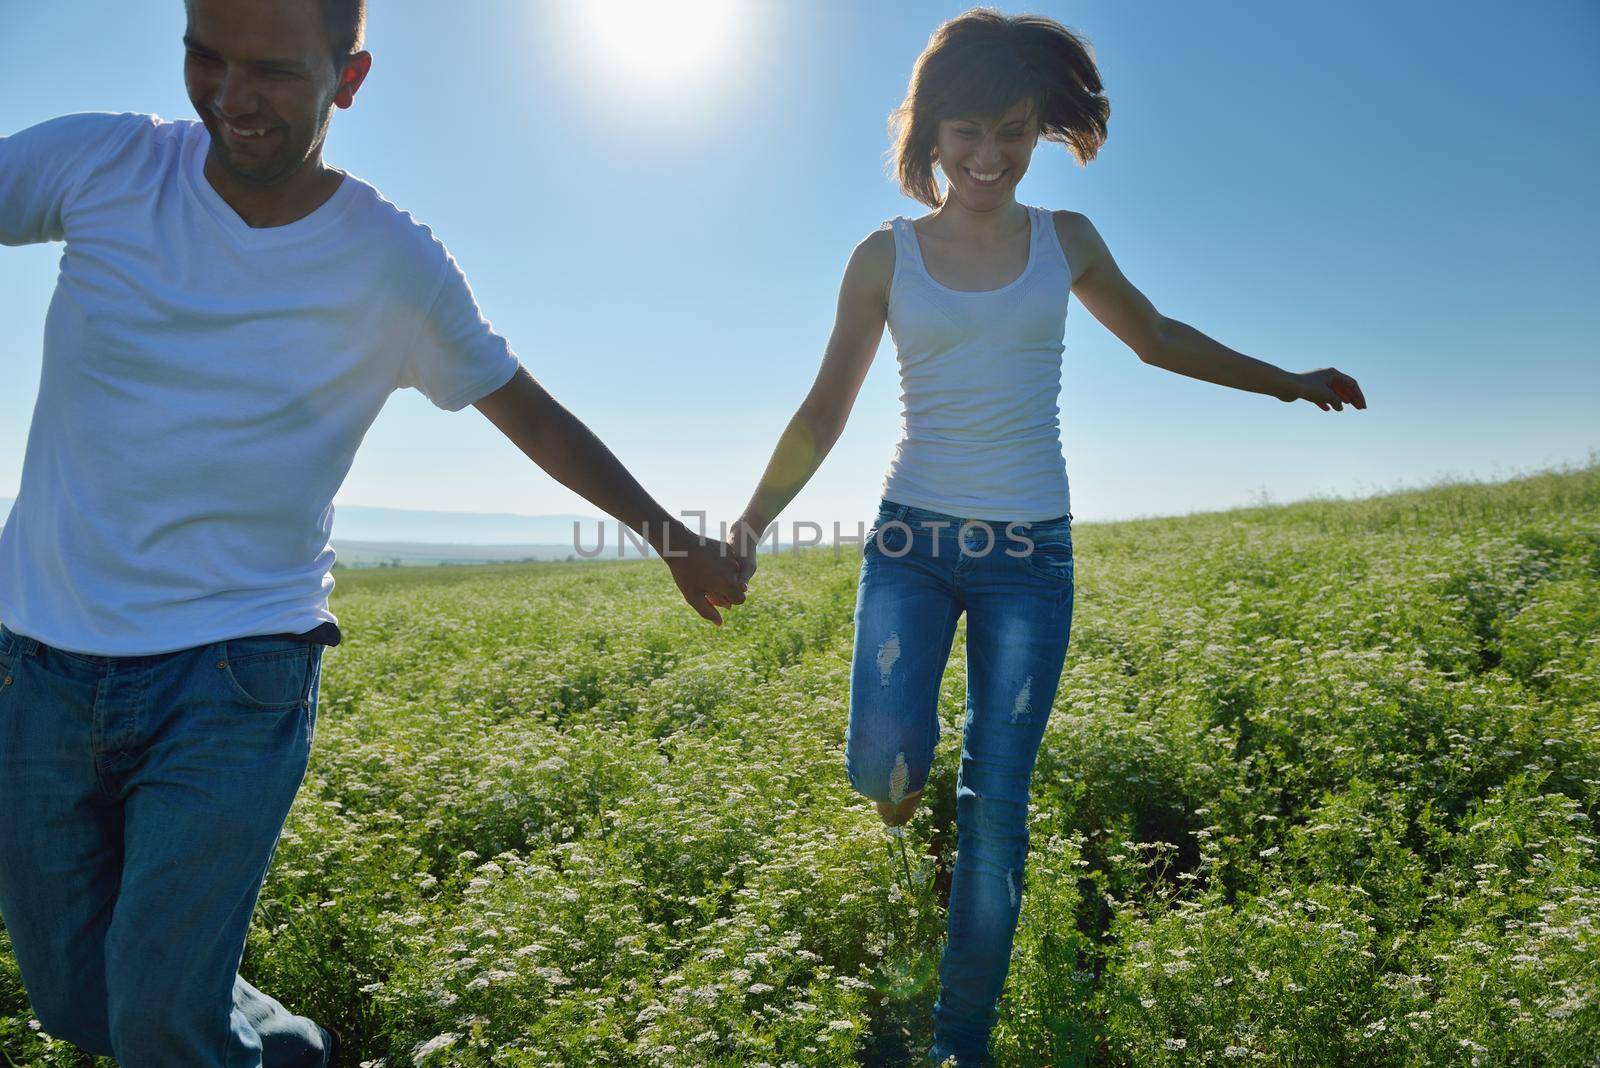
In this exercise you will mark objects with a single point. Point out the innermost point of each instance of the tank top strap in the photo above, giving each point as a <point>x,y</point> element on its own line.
<point>1048,241</point>
<point>907,253</point>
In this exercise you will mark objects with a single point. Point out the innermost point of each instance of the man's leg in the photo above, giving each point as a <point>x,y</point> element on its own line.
<point>60,839</point>
<point>226,747</point>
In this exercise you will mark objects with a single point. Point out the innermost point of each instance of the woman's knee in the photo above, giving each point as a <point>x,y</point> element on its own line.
<point>885,779</point>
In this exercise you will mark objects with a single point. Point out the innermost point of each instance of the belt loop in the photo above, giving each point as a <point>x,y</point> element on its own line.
<point>25,645</point>
<point>901,513</point>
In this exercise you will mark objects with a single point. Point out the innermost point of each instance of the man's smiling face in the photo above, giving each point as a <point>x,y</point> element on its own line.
<point>263,79</point>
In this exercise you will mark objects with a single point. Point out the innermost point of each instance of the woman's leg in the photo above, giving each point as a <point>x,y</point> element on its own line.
<point>1019,618</point>
<point>906,612</point>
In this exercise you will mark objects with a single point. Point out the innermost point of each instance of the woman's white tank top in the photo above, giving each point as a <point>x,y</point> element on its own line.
<point>980,378</point>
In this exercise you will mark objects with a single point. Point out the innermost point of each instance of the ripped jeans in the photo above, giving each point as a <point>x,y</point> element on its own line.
<point>919,571</point>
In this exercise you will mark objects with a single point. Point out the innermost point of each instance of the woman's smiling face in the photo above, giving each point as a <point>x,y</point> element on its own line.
<point>984,159</point>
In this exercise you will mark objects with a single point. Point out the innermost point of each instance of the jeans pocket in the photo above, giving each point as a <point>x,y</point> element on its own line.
<point>270,674</point>
<point>1051,558</point>
<point>891,538</point>
<point>875,542</point>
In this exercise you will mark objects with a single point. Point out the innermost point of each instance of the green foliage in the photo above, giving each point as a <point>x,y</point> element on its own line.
<point>1321,787</point>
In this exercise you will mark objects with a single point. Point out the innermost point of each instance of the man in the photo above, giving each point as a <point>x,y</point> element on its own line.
<point>230,317</point>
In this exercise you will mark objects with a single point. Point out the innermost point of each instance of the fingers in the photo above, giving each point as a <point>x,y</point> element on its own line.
<point>742,568</point>
<point>735,592</point>
<point>1332,389</point>
<point>710,576</point>
<point>723,588</point>
<point>1347,389</point>
<point>701,605</point>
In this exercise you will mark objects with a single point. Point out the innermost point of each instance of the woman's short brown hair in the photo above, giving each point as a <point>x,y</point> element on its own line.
<point>981,63</point>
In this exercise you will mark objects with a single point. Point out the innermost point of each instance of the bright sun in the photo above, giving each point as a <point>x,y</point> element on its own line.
<point>662,39</point>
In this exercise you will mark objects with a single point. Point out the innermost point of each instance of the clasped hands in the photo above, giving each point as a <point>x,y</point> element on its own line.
<point>713,574</point>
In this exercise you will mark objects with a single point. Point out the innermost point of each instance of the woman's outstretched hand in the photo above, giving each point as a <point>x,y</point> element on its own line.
<point>1327,386</point>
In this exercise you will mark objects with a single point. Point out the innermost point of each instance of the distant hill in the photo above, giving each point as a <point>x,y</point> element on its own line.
<point>367,537</point>
<point>354,522</point>
<point>415,553</point>
<point>359,523</point>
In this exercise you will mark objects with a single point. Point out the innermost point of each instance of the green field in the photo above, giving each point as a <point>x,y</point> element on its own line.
<point>1321,787</point>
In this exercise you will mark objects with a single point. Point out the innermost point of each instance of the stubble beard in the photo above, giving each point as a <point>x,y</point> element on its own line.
<point>280,168</point>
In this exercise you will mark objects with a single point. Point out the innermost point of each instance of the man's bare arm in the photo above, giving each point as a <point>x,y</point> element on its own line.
<point>559,442</point>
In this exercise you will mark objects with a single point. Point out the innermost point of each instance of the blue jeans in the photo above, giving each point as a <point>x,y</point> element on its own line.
<point>141,800</point>
<point>919,571</point>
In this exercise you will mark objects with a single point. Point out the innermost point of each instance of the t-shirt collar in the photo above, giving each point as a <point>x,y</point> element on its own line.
<point>198,144</point>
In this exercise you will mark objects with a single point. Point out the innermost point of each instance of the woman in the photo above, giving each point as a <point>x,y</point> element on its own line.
<point>976,514</point>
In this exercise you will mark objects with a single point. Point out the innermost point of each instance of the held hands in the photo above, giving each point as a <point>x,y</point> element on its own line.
<point>706,571</point>
<point>743,540</point>
<point>1325,386</point>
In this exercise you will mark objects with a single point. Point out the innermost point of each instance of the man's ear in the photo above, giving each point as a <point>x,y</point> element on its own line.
<point>350,78</point>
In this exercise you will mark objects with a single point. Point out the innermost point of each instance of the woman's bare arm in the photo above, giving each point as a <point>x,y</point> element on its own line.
<point>1179,347</point>
<point>816,425</point>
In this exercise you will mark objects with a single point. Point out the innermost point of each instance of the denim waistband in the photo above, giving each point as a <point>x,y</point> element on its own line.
<point>26,646</point>
<point>892,511</point>
<point>10,639</point>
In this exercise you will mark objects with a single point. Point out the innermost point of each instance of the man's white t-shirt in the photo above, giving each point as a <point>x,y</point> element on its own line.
<point>205,386</point>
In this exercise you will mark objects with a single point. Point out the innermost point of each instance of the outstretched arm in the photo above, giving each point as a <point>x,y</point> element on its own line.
<point>569,452</point>
<point>43,168</point>
<point>1179,347</point>
<point>816,425</point>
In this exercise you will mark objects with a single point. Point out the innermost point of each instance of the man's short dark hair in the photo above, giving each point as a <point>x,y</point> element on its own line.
<point>346,23</point>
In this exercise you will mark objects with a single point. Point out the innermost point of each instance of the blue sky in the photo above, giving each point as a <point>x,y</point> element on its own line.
<point>1403,191</point>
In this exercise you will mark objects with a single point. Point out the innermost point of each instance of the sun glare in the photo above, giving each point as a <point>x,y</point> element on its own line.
<point>662,40</point>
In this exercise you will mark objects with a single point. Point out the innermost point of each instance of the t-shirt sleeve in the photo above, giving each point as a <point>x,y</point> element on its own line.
<point>43,167</point>
<point>457,357</point>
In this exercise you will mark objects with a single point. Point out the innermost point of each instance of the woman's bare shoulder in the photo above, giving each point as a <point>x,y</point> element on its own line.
<point>1070,222</point>
<point>1080,241</point>
<point>873,258</point>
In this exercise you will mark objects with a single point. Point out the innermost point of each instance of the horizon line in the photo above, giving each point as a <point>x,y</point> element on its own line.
<point>1266,500</point>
